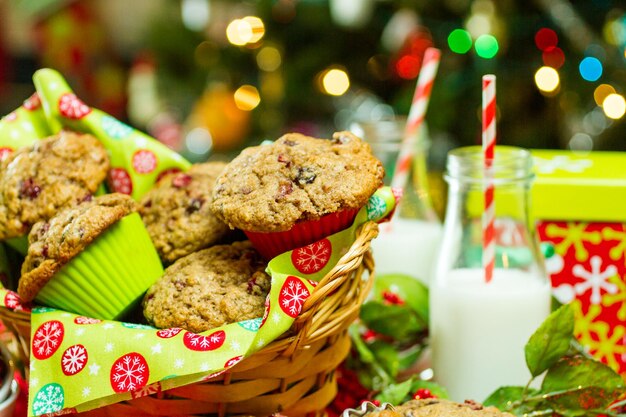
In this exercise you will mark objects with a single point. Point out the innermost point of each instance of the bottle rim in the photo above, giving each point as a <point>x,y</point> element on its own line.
<point>510,164</point>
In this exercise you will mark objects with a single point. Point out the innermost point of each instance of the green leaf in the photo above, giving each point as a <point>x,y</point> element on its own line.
<point>511,399</point>
<point>550,341</point>
<point>413,292</point>
<point>386,356</point>
<point>504,397</point>
<point>395,393</point>
<point>397,321</point>
<point>436,389</point>
<point>576,384</point>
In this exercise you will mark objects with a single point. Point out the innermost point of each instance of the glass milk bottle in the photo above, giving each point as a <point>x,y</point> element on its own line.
<point>478,330</point>
<point>406,245</point>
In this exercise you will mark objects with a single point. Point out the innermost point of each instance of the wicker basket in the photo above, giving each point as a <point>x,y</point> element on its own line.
<point>293,375</point>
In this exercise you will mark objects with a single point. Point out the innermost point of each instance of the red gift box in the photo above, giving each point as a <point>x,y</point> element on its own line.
<point>579,202</point>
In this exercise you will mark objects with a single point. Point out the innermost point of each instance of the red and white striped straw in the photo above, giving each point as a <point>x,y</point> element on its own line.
<point>415,119</point>
<point>489,144</point>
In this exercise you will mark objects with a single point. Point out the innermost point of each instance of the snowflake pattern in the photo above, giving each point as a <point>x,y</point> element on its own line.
<point>199,342</point>
<point>47,339</point>
<point>130,372</point>
<point>94,369</point>
<point>144,161</point>
<point>114,128</point>
<point>573,235</point>
<point>74,360</point>
<point>618,297</point>
<point>376,207</point>
<point>72,107</point>
<point>49,399</point>
<point>312,258</point>
<point>12,300</point>
<point>562,163</point>
<point>596,335</point>
<point>596,279</point>
<point>119,181</point>
<point>169,333</point>
<point>292,296</point>
<point>151,389</point>
<point>11,117</point>
<point>32,103</point>
<point>252,325</point>
<point>617,252</point>
<point>86,320</point>
<point>5,151</point>
<point>233,361</point>
<point>156,348</point>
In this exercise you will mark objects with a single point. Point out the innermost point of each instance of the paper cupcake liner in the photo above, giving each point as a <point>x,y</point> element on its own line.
<point>301,234</point>
<point>109,276</point>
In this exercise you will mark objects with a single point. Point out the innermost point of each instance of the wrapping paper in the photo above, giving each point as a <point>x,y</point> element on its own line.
<point>137,160</point>
<point>80,363</point>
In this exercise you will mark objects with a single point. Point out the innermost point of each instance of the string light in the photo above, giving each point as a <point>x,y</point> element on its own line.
<point>614,106</point>
<point>546,38</point>
<point>486,46</point>
<point>553,56</point>
<point>590,68</point>
<point>459,41</point>
<point>335,81</point>
<point>248,30</point>
<point>547,79</point>
<point>247,97</point>
<point>268,59</point>
<point>602,92</point>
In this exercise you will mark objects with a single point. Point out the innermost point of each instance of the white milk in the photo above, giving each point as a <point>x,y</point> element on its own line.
<point>478,330</point>
<point>407,246</point>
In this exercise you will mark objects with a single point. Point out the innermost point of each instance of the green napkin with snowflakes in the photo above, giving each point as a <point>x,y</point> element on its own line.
<point>137,160</point>
<point>80,363</point>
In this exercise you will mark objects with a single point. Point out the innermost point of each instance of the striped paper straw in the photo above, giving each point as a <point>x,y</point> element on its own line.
<point>489,144</point>
<point>416,116</point>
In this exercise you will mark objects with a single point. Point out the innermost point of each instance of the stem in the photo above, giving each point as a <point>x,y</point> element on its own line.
<point>525,392</point>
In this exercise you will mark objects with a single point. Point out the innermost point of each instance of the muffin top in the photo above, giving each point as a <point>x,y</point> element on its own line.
<point>435,407</point>
<point>55,242</point>
<point>215,286</point>
<point>269,188</point>
<point>177,212</point>
<point>52,174</point>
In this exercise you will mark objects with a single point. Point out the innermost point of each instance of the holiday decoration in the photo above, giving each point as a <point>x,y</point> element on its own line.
<point>80,363</point>
<point>137,160</point>
<point>578,202</point>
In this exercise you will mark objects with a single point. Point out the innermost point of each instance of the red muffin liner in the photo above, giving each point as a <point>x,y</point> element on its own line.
<point>272,244</point>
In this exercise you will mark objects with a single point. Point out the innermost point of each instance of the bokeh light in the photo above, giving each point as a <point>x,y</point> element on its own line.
<point>590,68</point>
<point>553,56</point>
<point>547,79</point>
<point>546,38</point>
<point>602,92</point>
<point>486,46</point>
<point>459,41</point>
<point>408,67</point>
<point>335,82</point>
<point>257,27</point>
<point>478,24</point>
<point>268,59</point>
<point>247,97</point>
<point>239,32</point>
<point>614,106</point>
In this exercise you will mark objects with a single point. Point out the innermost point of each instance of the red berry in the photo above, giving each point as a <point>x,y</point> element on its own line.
<point>392,298</point>
<point>422,394</point>
<point>369,335</point>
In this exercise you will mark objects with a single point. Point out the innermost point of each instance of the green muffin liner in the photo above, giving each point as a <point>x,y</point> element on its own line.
<point>110,276</point>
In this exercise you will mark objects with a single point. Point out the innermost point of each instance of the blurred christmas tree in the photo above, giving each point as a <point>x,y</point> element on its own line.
<point>316,66</point>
